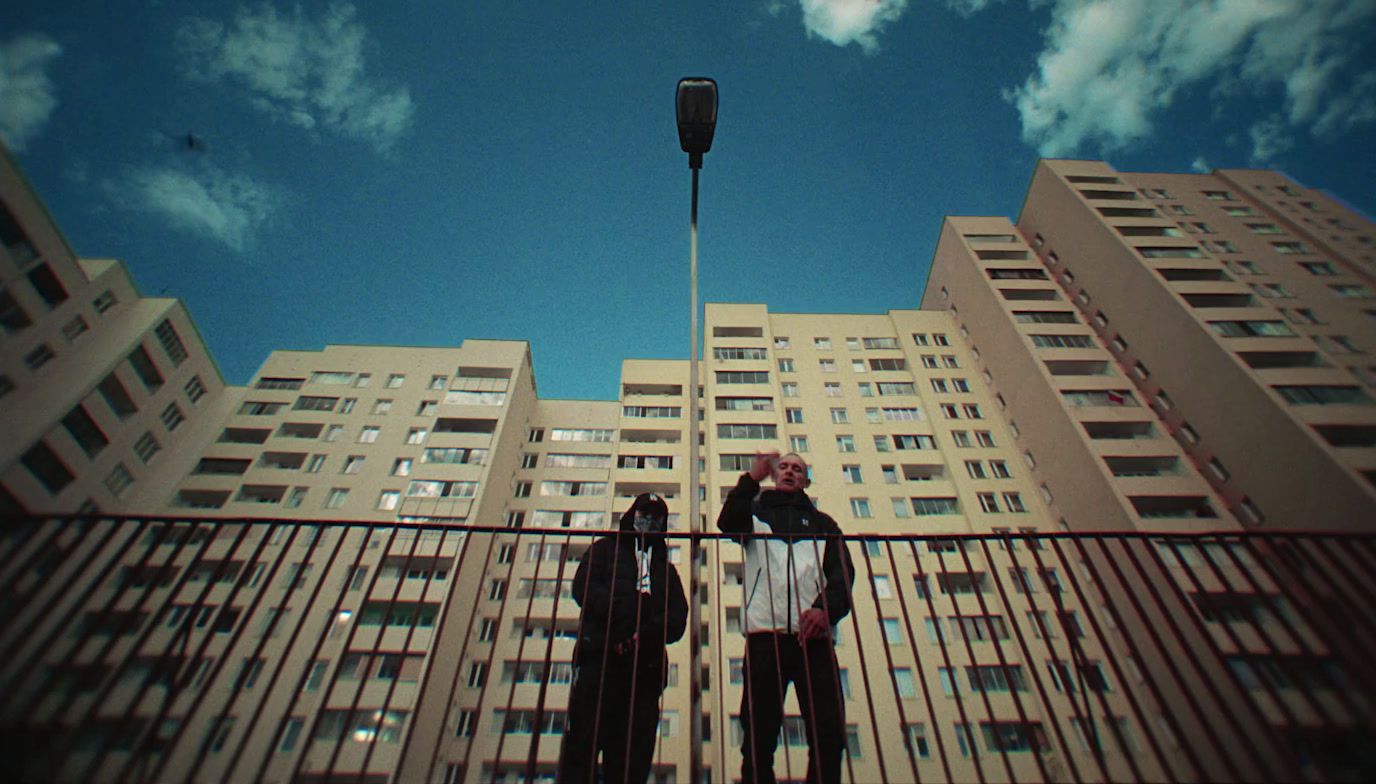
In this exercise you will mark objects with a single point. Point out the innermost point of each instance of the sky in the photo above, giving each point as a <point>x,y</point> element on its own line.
<point>414,173</point>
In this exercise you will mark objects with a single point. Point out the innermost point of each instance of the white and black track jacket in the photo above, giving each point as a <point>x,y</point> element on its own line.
<point>795,559</point>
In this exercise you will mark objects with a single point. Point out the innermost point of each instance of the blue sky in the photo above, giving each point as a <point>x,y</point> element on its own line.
<point>421,173</point>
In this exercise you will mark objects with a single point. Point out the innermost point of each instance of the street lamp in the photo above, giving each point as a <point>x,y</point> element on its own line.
<point>696,105</point>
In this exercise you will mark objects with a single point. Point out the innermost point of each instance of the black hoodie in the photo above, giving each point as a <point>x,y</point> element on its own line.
<point>614,609</point>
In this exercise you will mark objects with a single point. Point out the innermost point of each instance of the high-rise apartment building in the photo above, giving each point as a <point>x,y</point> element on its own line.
<point>104,393</point>
<point>1204,343</point>
<point>361,562</point>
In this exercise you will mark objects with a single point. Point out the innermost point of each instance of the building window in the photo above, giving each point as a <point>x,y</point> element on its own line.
<point>118,480</point>
<point>785,366</point>
<point>84,431</point>
<point>821,344</point>
<point>845,443</point>
<point>172,417</point>
<point>146,447</point>
<point>388,500</point>
<point>145,369</point>
<point>860,507</point>
<point>171,342</point>
<point>395,380</point>
<point>194,389</point>
<point>1352,291</point>
<point>47,468</point>
<point>39,356</point>
<point>790,389</point>
<point>797,444</point>
<point>369,434</point>
<point>832,389</point>
<point>851,474</point>
<point>336,497</point>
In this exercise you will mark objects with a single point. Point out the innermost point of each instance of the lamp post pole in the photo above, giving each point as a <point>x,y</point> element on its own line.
<point>696,105</point>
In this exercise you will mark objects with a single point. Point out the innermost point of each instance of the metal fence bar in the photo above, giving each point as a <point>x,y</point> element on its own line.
<point>888,655</point>
<point>1027,657</point>
<point>275,737</point>
<point>963,730</point>
<point>313,727</point>
<point>532,759</point>
<point>1182,602</point>
<point>183,634</point>
<point>1046,633</point>
<point>449,696</point>
<point>1180,606</point>
<point>919,579</point>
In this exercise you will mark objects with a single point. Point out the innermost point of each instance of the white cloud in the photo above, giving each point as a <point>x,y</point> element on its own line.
<point>227,208</point>
<point>843,22</point>
<point>27,96</point>
<point>1109,65</point>
<point>1201,165</point>
<point>307,72</point>
<point>1269,139</point>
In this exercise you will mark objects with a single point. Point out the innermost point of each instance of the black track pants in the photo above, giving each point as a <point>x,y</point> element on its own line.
<point>772,661</point>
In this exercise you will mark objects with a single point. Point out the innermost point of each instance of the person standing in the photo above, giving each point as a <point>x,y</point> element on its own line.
<point>798,577</point>
<point>633,607</point>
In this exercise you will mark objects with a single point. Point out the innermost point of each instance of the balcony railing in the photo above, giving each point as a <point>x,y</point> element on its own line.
<point>178,649</point>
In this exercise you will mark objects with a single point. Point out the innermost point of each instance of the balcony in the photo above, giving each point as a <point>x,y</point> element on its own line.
<point>162,649</point>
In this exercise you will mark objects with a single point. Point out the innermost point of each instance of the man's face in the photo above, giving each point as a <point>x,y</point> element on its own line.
<point>790,474</point>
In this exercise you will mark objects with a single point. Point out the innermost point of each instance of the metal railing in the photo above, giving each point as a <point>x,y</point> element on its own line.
<point>175,649</point>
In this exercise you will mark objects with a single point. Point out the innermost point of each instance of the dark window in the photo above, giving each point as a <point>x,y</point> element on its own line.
<point>11,234</point>
<point>47,285</point>
<point>47,467</point>
<point>117,396</point>
<point>12,315</point>
<point>246,435</point>
<point>85,431</point>
<point>146,370</point>
<point>171,342</point>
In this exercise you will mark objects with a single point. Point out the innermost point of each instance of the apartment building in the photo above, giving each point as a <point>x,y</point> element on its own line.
<point>360,563</point>
<point>1204,340</point>
<point>104,393</point>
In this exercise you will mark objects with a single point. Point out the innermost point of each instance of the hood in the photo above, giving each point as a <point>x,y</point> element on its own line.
<point>645,502</point>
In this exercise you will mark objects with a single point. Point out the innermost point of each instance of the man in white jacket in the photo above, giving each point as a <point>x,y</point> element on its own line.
<point>798,577</point>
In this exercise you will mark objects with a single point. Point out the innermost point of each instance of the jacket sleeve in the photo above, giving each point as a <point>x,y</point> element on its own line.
<point>839,573</point>
<point>666,624</point>
<point>736,515</point>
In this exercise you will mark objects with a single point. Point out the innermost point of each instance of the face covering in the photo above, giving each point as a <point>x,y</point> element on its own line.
<point>650,525</point>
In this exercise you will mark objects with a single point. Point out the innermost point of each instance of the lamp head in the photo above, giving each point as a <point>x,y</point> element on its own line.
<point>696,105</point>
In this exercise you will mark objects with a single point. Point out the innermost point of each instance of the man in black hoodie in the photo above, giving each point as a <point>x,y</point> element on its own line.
<point>633,606</point>
<point>798,576</point>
